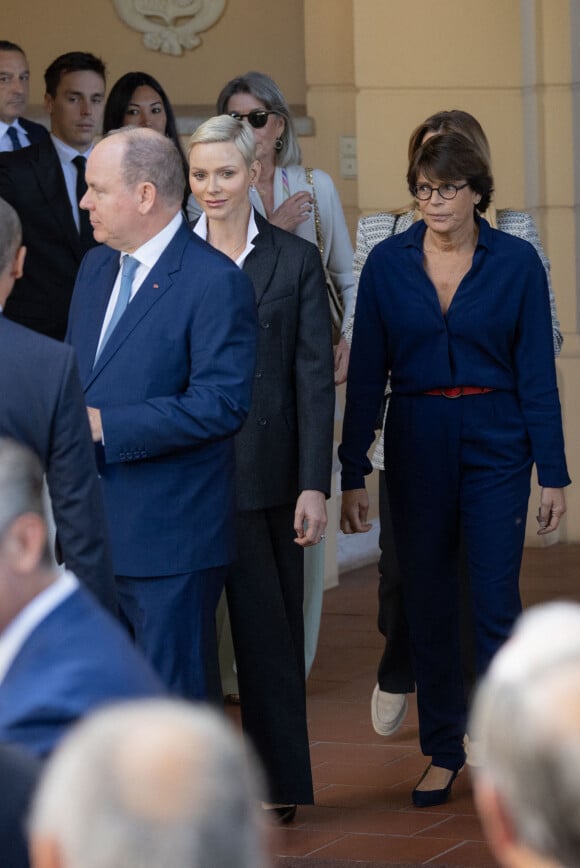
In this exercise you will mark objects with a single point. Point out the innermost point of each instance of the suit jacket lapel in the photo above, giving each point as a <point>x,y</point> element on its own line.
<point>51,181</point>
<point>260,264</point>
<point>95,303</point>
<point>156,284</point>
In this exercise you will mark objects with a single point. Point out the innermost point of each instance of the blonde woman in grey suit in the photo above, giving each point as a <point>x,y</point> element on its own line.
<point>395,678</point>
<point>283,454</point>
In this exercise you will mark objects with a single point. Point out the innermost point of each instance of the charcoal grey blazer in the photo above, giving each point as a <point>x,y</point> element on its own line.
<point>285,445</point>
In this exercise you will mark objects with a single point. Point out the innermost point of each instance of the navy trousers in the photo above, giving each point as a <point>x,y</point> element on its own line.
<point>456,464</point>
<point>395,671</point>
<point>172,620</point>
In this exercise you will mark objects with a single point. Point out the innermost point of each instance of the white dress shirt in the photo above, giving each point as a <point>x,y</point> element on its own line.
<point>200,229</point>
<point>24,624</point>
<point>66,155</point>
<point>147,255</point>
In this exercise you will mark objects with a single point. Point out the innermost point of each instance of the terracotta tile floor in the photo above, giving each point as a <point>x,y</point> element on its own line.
<point>363,782</point>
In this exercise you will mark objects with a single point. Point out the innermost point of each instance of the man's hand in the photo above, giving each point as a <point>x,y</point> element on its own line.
<point>310,510</point>
<point>552,508</point>
<point>95,423</point>
<point>355,508</point>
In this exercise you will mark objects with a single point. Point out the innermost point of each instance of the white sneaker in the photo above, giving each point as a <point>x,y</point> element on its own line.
<point>388,711</point>
<point>473,752</point>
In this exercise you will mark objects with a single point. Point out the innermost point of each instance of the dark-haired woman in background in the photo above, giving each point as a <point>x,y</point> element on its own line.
<point>138,100</point>
<point>454,309</point>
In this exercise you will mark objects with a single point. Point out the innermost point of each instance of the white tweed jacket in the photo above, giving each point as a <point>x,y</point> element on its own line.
<point>375,228</point>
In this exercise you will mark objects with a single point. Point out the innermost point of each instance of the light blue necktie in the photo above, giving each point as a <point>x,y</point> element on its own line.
<point>13,136</point>
<point>128,268</point>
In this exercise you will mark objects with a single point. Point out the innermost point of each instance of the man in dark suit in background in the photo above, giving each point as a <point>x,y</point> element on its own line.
<point>42,406</point>
<point>44,183</point>
<point>19,771</point>
<point>165,335</point>
<point>15,131</point>
<point>61,654</point>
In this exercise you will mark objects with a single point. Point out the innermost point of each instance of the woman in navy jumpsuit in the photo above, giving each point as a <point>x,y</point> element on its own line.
<point>459,314</point>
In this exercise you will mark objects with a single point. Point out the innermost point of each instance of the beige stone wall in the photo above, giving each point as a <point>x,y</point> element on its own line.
<point>260,34</point>
<point>330,95</point>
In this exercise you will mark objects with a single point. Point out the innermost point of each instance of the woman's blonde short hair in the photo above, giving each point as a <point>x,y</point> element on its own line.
<point>223,128</point>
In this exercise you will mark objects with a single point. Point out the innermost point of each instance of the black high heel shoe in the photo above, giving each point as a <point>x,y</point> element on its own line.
<point>282,813</point>
<point>431,798</point>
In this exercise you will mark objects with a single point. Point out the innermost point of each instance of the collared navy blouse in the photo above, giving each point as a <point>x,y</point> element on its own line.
<point>497,333</point>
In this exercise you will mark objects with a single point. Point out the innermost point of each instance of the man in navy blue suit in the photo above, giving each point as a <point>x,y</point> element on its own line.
<point>61,654</point>
<point>42,406</point>
<point>15,131</point>
<point>165,332</point>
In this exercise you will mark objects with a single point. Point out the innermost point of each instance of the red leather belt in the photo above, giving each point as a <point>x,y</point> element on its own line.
<point>459,391</point>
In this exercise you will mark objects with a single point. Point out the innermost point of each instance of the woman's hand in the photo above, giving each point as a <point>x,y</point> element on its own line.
<point>292,211</point>
<point>341,357</point>
<point>310,511</point>
<point>355,508</point>
<point>552,508</point>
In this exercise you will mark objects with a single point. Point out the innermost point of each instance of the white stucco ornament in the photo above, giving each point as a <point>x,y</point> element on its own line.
<point>170,26</point>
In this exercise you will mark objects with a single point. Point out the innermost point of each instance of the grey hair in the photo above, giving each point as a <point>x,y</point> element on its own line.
<point>526,720</point>
<point>10,235</point>
<point>265,89</point>
<point>151,783</point>
<point>21,479</point>
<point>150,156</point>
<point>224,128</point>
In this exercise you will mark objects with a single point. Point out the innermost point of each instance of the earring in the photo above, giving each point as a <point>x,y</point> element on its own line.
<point>278,144</point>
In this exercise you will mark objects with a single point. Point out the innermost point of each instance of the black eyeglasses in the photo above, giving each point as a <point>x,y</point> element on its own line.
<point>446,191</point>
<point>257,118</point>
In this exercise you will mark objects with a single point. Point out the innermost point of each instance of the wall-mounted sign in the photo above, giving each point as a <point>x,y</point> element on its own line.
<point>170,26</point>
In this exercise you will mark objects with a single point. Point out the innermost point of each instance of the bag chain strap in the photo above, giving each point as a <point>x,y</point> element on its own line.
<point>319,239</point>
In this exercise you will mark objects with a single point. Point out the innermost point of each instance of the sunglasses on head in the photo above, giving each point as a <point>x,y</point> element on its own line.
<point>257,118</point>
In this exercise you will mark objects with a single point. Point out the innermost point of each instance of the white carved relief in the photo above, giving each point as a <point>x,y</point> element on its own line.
<point>170,26</point>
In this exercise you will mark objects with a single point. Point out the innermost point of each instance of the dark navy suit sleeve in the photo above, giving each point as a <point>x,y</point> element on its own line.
<point>367,379</point>
<point>535,376</point>
<point>215,402</point>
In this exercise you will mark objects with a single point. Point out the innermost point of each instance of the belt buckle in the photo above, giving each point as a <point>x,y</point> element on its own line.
<point>457,390</point>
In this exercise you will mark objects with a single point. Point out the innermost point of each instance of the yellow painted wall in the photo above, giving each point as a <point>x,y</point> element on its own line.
<point>260,34</point>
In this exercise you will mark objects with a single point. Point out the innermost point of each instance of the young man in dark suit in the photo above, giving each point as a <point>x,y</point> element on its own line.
<point>44,183</point>
<point>15,131</point>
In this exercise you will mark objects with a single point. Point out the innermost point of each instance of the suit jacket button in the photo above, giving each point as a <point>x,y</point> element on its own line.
<point>262,421</point>
<point>265,325</point>
<point>258,375</point>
